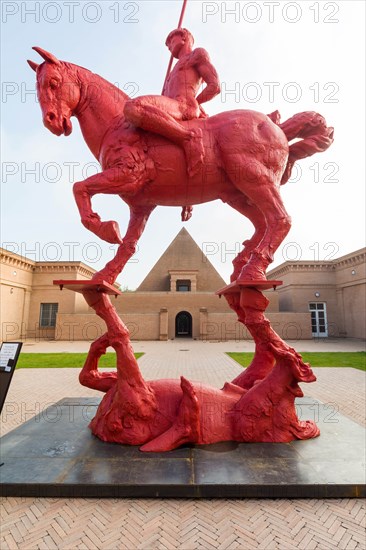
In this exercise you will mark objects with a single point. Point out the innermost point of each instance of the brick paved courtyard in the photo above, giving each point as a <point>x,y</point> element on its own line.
<point>30,523</point>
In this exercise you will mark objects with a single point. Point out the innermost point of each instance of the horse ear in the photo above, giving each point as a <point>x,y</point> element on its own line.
<point>46,55</point>
<point>32,64</point>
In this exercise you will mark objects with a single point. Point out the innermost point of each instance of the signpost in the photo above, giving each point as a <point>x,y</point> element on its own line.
<point>9,353</point>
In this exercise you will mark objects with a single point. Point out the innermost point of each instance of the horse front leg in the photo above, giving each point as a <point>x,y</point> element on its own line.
<point>138,218</point>
<point>114,181</point>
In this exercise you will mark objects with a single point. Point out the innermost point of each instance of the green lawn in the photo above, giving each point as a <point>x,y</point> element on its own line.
<point>354,359</point>
<point>63,360</point>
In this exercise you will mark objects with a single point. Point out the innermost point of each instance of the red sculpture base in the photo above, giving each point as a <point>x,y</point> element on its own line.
<point>161,415</point>
<point>81,286</point>
<point>236,286</point>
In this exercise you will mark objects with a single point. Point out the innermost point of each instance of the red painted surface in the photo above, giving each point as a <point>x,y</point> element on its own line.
<point>161,415</point>
<point>165,150</point>
<point>79,286</point>
<point>235,287</point>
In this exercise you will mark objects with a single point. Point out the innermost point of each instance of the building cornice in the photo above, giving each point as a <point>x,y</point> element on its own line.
<point>183,271</point>
<point>14,260</point>
<point>355,258</point>
<point>64,267</point>
<point>289,267</point>
<point>21,262</point>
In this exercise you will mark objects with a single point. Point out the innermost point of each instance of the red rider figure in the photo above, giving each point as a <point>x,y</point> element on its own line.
<point>163,114</point>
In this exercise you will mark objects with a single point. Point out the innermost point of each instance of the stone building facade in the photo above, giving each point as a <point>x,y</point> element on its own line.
<point>334,292</point>
<point>177,299</point>
<point>29,301</point>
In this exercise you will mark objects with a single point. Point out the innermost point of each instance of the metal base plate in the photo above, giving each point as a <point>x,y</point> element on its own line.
<point>81,286</point>
<point>237,286</point>
<point>55,455</point>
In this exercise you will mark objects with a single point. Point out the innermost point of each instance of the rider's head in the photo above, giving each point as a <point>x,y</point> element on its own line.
<point>183,35</point>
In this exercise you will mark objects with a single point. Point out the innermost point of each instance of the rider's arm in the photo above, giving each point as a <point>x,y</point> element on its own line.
<point>208,74</point>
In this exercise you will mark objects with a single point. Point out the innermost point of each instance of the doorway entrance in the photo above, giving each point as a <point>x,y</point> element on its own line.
<point>183,325</point>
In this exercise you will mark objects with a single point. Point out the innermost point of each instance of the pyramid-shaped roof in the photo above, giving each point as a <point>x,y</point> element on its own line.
<point>183,254</point>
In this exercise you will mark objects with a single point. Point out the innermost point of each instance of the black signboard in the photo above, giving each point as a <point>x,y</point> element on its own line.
<point>9,353</point>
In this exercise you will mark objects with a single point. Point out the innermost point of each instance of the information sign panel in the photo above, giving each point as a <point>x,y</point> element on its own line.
<point>9,353</point>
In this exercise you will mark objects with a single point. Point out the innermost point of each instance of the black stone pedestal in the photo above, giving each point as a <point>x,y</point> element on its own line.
<point>55,455</point>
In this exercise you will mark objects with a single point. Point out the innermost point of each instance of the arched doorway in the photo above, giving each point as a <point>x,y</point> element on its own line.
<point>183,325</point>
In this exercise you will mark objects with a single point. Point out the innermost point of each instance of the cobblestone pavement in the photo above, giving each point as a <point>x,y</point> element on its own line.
<point>30,523</point>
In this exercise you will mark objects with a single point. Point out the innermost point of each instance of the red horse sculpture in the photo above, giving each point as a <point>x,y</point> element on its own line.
<point>247,156</point>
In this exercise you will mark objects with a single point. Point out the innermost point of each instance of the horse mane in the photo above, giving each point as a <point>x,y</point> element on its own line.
<point>115,89</point>
<point>78,72</point>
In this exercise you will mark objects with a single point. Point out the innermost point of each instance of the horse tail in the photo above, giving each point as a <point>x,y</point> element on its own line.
<point>314,135</point>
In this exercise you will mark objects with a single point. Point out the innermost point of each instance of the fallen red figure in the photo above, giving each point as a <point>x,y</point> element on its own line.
<point>161,415</point>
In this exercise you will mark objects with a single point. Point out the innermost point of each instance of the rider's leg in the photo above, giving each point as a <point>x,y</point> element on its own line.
<point>162,115</point>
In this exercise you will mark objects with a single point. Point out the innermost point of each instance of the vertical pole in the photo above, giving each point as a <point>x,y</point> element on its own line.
<point>179,26</point>
<point>182,13</point>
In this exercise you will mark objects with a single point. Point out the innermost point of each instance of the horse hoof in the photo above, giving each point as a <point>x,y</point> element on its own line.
<point>109,232</point>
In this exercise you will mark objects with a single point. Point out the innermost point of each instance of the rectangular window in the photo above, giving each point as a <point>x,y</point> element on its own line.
<point>183,286</point>
<point>48,314</point>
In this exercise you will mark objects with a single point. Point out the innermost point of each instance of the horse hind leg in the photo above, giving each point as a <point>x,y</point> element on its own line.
<point>261,188</point>
<point>278,226</point>
<point>241,203</point>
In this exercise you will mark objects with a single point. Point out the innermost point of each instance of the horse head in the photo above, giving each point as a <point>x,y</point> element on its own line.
<point>58,92</point>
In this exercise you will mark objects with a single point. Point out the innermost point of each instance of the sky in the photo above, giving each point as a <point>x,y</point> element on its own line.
<point>290,56</point>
